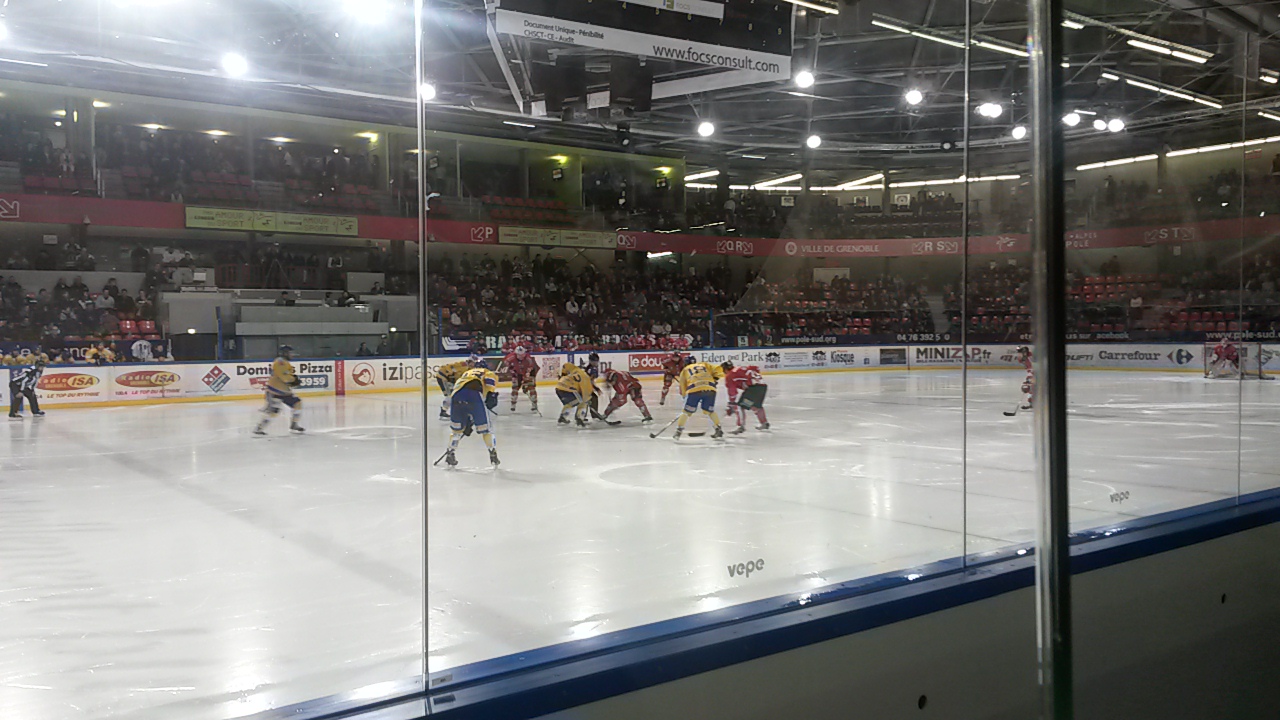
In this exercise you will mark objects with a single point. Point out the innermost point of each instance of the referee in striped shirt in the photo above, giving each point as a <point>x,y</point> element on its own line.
<point>23,384</point>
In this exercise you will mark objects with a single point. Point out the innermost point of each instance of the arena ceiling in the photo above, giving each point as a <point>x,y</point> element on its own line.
<point>1191,67</point>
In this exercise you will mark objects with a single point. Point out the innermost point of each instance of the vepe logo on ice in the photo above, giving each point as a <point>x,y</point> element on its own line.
<point>216,379</point>
<point>1181,356</point>
<point>363,375</point>
<point>66,382</point>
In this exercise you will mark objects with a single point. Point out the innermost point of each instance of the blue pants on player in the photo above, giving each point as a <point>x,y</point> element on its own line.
<point>705,400</point>
<point>467,407</point>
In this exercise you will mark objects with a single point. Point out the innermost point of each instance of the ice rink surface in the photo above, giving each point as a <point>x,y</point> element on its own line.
<point>159,562</point>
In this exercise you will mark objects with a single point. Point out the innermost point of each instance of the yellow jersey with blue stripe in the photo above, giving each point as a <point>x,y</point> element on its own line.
<point>453,370</point>
<point>482,380</point>
<point>575,380</point>
<point>700,377</point>
<point>282,376</point>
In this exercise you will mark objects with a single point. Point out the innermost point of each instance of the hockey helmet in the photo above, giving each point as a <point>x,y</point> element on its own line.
<point>727,365</point>
<point>286,352</point>
<point>593,358</point>
<point>520,350</point>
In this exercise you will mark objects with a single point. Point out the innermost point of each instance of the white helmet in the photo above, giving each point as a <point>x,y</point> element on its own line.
<point>520,350</point>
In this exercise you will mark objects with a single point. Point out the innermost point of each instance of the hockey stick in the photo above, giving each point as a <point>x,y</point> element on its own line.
<point>437,462</point>
<point>664,427</point>
<point>1016,408</point>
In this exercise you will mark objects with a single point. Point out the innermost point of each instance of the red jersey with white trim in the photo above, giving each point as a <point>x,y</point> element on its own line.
<point>741,378</point>
<point>1228,352</point>
<point>520,366</point>
<point>673,364</point>
<point>1026,362</point>
<point>621,382</point>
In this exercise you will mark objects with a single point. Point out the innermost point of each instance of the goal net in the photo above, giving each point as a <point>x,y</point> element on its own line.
<point>1252,359</point>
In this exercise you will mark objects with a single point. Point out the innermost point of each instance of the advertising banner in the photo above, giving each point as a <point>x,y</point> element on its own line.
<point>267,221</point>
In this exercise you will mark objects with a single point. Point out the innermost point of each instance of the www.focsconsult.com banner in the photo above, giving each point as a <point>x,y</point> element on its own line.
<point>535,27</point>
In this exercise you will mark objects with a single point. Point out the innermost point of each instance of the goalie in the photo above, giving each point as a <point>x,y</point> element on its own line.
<point>1224,360</point>
<point>746,392</point>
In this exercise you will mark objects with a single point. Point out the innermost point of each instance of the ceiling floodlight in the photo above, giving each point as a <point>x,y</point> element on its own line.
<point>914,97</point>
<point>1071,119</point>
<point>706,128</point>
<point>235,65</point>
<point>805,79</point>
<point>427,92</point>
<point>1019,132</point>
<point>813,141</point>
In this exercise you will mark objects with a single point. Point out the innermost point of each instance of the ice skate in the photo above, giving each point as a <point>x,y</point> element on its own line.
<point>647,419</point>
<point>718,434</point>
<point>679,432</point>
<point>493,458</point>
<point>562,420</point>
<point>450,459</point>
<point>295,427</point>
<point>259,431</point>
<point>37,413</point>
<point>15,416</point>
<point>738,431</point>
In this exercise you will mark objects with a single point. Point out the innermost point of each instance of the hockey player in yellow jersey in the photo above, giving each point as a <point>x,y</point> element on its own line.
<point>574,390</point>
<point>698,387</point>
<point>474,395</point>
<point>447,375</point>
<point>280,392</point>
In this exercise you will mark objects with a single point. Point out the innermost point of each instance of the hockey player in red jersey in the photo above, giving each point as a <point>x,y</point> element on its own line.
<point>736,380</point>
<point>624,386</point>
<point>1226,357</point>
<point>671,367</point>
<point>1029,384</point>
<point>524,375</point>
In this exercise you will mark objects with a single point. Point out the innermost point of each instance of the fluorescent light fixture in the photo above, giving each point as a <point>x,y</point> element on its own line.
<point>1087,112</point>
<point>1001,47</point>
<point>1162,49</point>
<point>664,169</point>
<point>953,181</point>
<point>191,331</point>
<point>1113,163</point>
<point>59,113</point>
<point>739,187</point>
<point>217,133</point>
<point>370,136</point>
<point>900,26</point>
<point>777,181</point>
<point>427,92</point>
<point>805,79</point>
<point>235,65</point>
<point>1269,116</point>
<point>1110,76</point>
<point>813,142</point>
<point>1072,25</point>
<point>755,157</point>
<point>888,26</point>
<point>514,123</point>
<point>701,186</point>
<point>914,97</point>
<point>23,62</point>
<point>1227,146</point>
<point>814,6</point>
<point>100,104</point>
<point>706,128</point>
<point>153,127</point>
<point>1071,119</point>
<point>1172,92</point>
<point>656,255</point>
<point>1269,76</point>
<point>701,175</point>
<point>561,159</point>
<point>281,140</point>
<point>860,181</point>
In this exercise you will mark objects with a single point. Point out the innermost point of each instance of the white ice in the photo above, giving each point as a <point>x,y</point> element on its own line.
<point>159,562</point>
